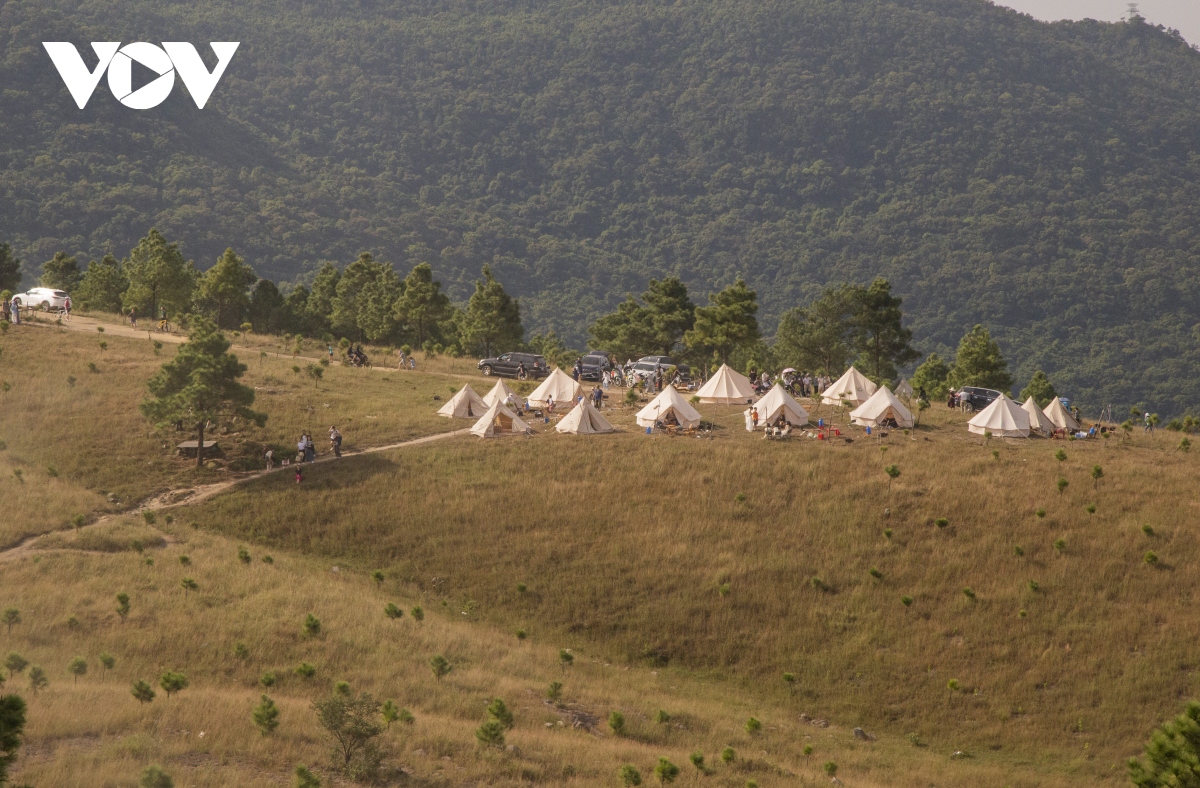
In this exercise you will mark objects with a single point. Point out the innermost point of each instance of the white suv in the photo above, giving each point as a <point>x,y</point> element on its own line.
<point>44,298</point>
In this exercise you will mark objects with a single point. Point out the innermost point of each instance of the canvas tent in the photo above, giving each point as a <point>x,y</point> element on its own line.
<point>726,387</point>
<point>852,386</point>
<point>669,401</point>
<point>1003,418</point>
<point>1037,420</point>
<point>904,390</point>
<point>559,385</point>
<point>499,420</point>
<point>499,393</point>
<point>466,404</point>
<point>882,405</point>
<point>1059,416</point>
<point>776,402</point>
<point>584,419</point>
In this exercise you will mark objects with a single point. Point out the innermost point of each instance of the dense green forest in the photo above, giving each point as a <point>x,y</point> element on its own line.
<point>1039,179</point>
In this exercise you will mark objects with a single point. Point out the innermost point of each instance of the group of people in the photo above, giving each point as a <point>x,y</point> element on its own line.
<point>800,384</point>
<point>780,427</point>
<point>356,357</point>
<point>306,450</point>
<point>407,360</point>
<point>10,311</point>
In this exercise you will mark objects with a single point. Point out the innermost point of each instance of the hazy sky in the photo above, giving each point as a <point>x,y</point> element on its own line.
<point>1183,15</point>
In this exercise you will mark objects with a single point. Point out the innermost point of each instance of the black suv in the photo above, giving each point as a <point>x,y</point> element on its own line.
<point>594,365</point>
<point>505,365</point>
<point>971,398</point>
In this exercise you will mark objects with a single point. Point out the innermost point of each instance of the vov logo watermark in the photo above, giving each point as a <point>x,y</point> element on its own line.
<point>171,58</point>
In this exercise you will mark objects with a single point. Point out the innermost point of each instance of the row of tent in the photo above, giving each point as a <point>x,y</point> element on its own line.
<point>877,405</point>
<point>496,413</point>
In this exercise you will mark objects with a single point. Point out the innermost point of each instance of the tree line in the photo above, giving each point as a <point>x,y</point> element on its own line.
<point>368,301</point>
<point>364,302</point>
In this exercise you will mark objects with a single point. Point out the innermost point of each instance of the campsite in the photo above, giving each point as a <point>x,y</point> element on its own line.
<point>727,563</point>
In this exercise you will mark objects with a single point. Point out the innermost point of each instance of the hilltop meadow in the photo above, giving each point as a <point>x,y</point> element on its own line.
<point>986,626</point>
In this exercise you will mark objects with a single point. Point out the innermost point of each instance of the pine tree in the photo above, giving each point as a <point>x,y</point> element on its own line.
<point>266,715</point>
<point>979,362</point>
<point>267,310</point>
<point>671,313</point>
<point>493,318</point>
<point>880,339</point>
<point>364,298</point>
<point>933,376</point>
<point>61,273</point>
<point>224,290</point>
<point>319,304</point>
<point>102,286</point>
<point>728,323</point>
<point>627,333</point>
<point>1040,389</point>
<point>158,274</point>
<point>423,305</point>
<point>1172,756</point>
<point>10,269</point>
<point>817,337</point>
<point>12,724</point>
<point>200,386</point>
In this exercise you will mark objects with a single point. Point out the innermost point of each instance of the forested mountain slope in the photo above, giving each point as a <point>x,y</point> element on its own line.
<point>1041,179</point>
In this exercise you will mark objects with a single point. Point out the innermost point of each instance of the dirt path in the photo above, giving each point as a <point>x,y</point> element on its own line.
<point>193,495</point>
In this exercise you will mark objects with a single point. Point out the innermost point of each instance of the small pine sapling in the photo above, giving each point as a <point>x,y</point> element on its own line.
<point>143,691</point>
<point>266,715</point>
<point>440,666</point>
<point>172,681</point>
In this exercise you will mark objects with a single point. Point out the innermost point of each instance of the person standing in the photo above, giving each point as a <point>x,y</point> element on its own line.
<point>67,308</point>
<point>301,454</point>
<point>335,440</point>
<point>269,456</point>
<point>310,449</point>
<point>133,316</point>
<point>575,369</point>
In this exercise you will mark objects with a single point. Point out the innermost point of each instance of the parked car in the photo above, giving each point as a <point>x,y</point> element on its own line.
<point>643,370</point>
<point>666,361</point>
<point>505,365</point>
<point>974,399</point>
<point>594,366</point>
<point>43,298</point>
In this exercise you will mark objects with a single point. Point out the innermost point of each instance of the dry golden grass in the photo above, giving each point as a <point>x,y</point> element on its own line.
<point>624,542</point>
<point>95,734</point>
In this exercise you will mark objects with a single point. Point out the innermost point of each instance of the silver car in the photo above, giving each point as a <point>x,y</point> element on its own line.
<point>43,298</point>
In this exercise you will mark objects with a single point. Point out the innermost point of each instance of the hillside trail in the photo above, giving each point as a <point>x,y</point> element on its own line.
<point>192,495</point>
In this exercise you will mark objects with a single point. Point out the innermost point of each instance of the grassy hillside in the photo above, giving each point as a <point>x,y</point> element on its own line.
<point>623,544</point>
<point>76,417</point>
<point>1038,178</point>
